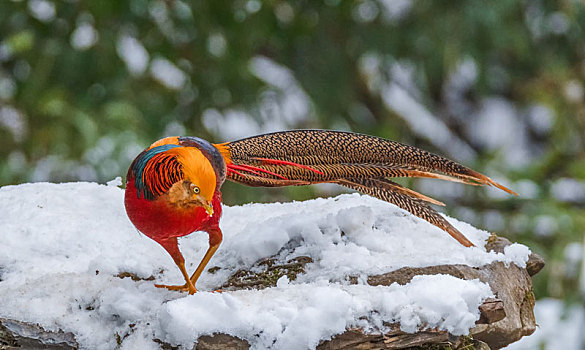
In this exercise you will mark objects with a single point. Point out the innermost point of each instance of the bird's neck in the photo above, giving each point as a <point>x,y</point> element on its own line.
<point>159,219</point>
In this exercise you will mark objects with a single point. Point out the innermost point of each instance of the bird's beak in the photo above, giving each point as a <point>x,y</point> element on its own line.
<point>207,205</point>
<point>208,208</point>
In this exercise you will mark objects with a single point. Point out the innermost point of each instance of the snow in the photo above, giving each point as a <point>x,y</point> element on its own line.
<point>42,10</point>
<point>365,12</point>
<point>13,121</point>
<point>423,122</point>
<point>133,53</point>
<point>559,327</point>
<point>216,44</point>
<point>7,88</point>
<point>558,23</point>
<point>497,126</point>
<point>166,73</point>
<point>64,244</point>
<point>283,105</point>
<point>583,270</point>
<point>284,12</point>
<point>84,37</point>
<point>313,312</point>
<point>395,10</point>
<point>574,91</point>
<point>568,190</point>
<point>541,119</point>
<point>231,125</point>
<point>527,189</point>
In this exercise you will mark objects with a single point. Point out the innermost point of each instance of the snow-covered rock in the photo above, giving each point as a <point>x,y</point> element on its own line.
<point>65,248</point>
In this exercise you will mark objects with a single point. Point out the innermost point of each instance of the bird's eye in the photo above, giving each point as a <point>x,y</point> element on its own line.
<point>196,189</point>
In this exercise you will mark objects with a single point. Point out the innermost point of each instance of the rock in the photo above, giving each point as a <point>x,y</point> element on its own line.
<point>133,276</point>
<point>511,284</point>
<point>221,342</point>
<point>163,345</point>
<point>21,335</point>
<point>492,310</point>
<point>266,273</point>
<point>497,244</point>
<point>503,320</point>
<point>396,339</point>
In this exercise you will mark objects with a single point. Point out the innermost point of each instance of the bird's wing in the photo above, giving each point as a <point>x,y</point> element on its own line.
<point>357,161</point>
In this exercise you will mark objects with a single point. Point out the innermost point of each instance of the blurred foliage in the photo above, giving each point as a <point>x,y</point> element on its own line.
<point>498,85</point>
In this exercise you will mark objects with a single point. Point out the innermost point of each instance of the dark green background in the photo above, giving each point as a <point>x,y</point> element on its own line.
<point>502,80</point>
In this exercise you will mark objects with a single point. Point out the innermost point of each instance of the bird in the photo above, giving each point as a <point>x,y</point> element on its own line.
<point>173,187</point>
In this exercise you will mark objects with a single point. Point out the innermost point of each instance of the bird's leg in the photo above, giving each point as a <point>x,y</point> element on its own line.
<point>187,287</point>
<point>203,263</point>
<point>172,247</point>
<point>215,238</point>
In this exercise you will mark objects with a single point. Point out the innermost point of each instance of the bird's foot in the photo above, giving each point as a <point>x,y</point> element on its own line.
<point>184,288</point>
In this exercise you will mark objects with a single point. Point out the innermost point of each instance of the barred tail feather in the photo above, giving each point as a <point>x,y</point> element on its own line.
<point>324,156</point>
<point>357,161</point>
<point>384,189</point>
<point>414,205</point>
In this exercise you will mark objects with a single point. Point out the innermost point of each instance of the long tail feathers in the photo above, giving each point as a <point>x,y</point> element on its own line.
<point>404,200</point>
<point>384,189</point>
<point>357,161</point>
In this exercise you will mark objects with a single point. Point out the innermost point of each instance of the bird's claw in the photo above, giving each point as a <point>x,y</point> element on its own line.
<point>183,288</point>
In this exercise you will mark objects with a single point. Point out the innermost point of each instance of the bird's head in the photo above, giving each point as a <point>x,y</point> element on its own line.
<point>183,176</point>
<point>198,184</point>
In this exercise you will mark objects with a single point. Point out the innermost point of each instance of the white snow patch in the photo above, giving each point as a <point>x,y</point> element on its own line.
<point>517,252</point>
<point>12,120</point>
<point>527,189</point>
<point>133,53</point>
<point>283,105</point>
<point>231,125</point>
<point>423,122</point>
<point>216,44</point>
<point>63,246</point>
<point>496,126</point>
<point>299,316</point>
<point>166,73</point>
<point>541,119</point>
<point>558,23</point>
<point>568,190</point>
<point>286,102</point>
<point>574,91</point>
<point>559,327</point>
<point>115,182</point>
<point>395,10</point>
<point>365,12</point>
<point>7,88</point>
<point>42,10</point>
<point>84,37</point>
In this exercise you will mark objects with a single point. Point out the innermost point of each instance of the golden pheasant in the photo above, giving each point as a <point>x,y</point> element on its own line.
<point>173,186</point>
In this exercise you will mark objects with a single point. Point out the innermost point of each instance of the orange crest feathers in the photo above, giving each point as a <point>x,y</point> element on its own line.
<point>224,150</point>
<point>166,162</point>
<point>197,169</point>
<point>171,140</point>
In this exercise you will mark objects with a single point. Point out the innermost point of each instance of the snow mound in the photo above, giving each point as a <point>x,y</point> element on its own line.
<point>64,245</point>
